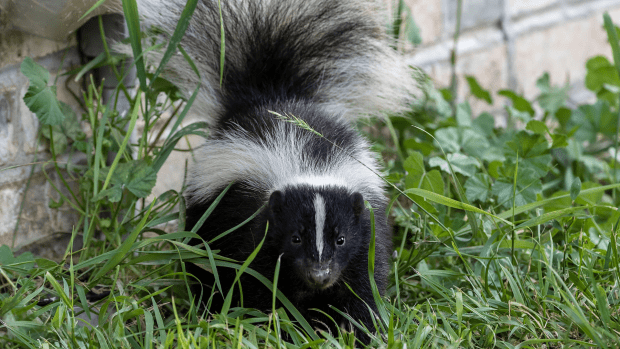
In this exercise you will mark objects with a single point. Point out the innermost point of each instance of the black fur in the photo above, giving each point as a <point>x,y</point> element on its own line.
<point>290,212</point>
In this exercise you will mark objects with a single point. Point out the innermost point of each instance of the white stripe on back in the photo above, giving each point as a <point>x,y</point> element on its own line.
<point>319,218</point>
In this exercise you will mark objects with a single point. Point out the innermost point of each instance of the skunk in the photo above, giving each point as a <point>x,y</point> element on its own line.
<point>322,63</point>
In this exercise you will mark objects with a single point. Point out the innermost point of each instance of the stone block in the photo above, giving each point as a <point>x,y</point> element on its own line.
<point>562,50</point>
<point>37,219</point>
<point>15,45</point>
<point>10,198</point>
<point>476,13</point>
<point>489,66</point>
<point>523,7</point>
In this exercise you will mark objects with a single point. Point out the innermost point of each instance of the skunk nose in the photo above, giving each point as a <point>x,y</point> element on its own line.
<point>319,276</point>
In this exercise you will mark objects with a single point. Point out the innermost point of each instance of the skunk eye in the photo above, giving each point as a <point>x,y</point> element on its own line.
<point>296,240</point>
<point>340,241</point>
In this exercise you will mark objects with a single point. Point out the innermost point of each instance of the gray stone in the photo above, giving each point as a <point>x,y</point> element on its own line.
<point>475,13</point>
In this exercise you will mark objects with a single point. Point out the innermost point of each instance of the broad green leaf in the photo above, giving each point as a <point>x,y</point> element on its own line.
<point>60,139</point>
<point>418,177</point>
<point>600,72</point>
<point>593,119</point>
<point>517,114</point>
<point>559,140</point>
<point>114,194</point>
<point>136,176</point>
<point>70,128</point>
<point>448,138</point>
<point>484,124</point>
<point>589,198</point>
<point>532,151</point>
<point>40,98</point>
<point>413,144</point>
<point>518,102</point>
<point>563,116</point>
<point>551,98</point>
<point>478,187</point>
<point>537,127</point>
<point>463,114</point>
<point>20,264</point>
<point>528,186</point>
<point>477,90</point>
<point>462,164</point>
<point>562,202</point>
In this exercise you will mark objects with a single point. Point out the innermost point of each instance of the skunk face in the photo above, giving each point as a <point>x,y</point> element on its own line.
<point>318,230</point>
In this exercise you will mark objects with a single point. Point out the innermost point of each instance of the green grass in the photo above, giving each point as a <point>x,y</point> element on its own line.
<point>504,238</point>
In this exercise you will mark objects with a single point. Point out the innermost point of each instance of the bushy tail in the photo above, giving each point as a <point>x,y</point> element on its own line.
<point>333,52</point>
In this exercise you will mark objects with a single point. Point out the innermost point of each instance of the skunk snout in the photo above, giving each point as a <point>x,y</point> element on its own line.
<point>319,277</point>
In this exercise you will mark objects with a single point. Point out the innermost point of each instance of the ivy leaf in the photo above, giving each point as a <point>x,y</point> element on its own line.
<point>478,187</point>
<point>461,163</point>
<point>40,98</point>
<point>552,98</point>
<point>477,90</point>
<point>518,102</point>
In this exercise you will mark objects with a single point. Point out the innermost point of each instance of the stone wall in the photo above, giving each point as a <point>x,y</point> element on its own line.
<point>18,140</point>
<point>504,43</point>
<point>511,43</point>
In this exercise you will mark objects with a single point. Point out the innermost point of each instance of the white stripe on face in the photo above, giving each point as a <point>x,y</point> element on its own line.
<point>319,218</point>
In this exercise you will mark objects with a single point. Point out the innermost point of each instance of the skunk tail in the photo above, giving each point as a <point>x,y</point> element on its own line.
<point>334,53</point>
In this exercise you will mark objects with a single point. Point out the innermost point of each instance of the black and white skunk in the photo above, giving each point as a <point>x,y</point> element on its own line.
<point>326,62</point>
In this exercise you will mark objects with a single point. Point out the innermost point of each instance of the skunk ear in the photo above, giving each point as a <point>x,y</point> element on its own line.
<point>357,200</point>
<point>276,201</point>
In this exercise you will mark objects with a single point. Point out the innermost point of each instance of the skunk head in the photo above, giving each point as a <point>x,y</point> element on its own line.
<point>318,231</point>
